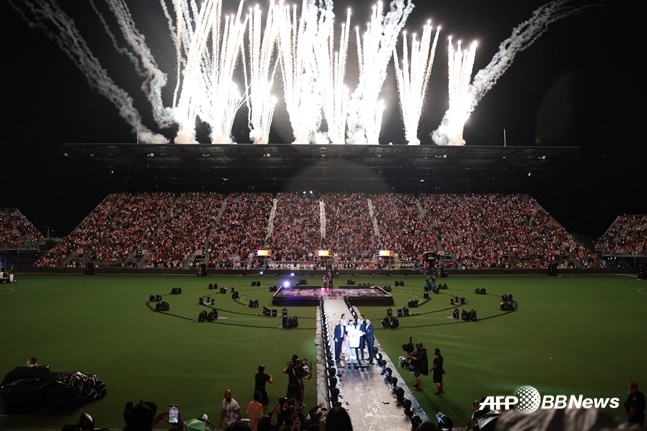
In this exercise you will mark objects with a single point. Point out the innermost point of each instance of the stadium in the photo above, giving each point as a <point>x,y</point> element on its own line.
<point>169,272</point>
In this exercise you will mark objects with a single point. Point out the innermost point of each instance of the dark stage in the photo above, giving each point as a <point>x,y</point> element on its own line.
<point>310,296</point>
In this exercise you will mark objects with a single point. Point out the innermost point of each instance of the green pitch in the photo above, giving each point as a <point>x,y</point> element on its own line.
<point>571,335</point>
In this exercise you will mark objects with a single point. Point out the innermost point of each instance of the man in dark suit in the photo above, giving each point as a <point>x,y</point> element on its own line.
<point>339,338</point>
<point>361,325</point>
<point>369,336</point>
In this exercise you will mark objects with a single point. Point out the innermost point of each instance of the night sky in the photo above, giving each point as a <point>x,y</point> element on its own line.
<point>583,83</point>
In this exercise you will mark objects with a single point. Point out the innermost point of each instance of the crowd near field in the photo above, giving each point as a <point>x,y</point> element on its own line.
<point>225,231</point>
<point>571,334</point>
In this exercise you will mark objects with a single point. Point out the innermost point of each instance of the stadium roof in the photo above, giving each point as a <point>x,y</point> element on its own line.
<point>347,168</point>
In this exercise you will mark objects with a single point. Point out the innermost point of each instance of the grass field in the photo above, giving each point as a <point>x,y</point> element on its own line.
<point>573,334</point>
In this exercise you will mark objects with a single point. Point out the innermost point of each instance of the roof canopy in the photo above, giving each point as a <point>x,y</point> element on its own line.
<point>345,168</point>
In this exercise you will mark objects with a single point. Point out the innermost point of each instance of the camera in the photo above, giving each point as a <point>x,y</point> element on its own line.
<point>405,364</point>
<point>304,364</point>
<point>173,414</point>
<point>409,346</point>
<point>306,368</point>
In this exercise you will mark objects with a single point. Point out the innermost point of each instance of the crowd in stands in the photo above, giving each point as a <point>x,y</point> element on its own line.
<point>296,228</point>
<point>471,231</point>
<point>350,233</point>
<point>240,231</point>
<point>402,227</point>
<point>501,231</point>
<point>18,232</point>
<point>113,231</point>
<point>627,235</point>
<point>190,219</point>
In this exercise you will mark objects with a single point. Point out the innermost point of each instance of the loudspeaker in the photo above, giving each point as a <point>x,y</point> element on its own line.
<point>552,269</point>
<point>642,273</point>
<point>89,268</point>
<point>202,270</point>
<point>286,322</point>
<point>443,273</point>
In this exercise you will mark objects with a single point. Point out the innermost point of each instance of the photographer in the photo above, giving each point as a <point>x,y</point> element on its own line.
<point>297,372</point>
<point>420,363</point>
<point>293,379</point>
<point>302,373</point>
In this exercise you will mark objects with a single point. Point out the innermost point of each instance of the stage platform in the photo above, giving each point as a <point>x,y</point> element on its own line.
<point>364,391</point>
<point>296,295</point>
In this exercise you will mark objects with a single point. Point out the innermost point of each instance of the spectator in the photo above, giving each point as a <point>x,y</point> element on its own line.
<point>635,405</point>
<point>260,380</point>
<point>142,417</point>
<point>255,411</point>
<point>230,410</point>
<point>338,419</point>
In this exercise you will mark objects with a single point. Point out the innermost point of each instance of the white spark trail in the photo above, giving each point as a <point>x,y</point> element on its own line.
<point>208,90</point>
<point>262,67</point>
<point>460,65</point>
<point>298,70</point>
<point>522,37</point>
<point>374,52</point>
<point>331,66</point>
<point>48,15</point>
<point>413,78</point>
<point>142,58</point>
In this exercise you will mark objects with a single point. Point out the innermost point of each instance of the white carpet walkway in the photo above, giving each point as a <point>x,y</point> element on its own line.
<point>364,392</point>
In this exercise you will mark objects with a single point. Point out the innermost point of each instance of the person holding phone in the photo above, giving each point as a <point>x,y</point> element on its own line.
<point>173,414</point>
<point>143,416</point>
<point>230,410</point>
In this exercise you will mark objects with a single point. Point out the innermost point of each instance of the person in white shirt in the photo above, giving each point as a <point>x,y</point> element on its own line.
<point>354,338</point>
<point>230,410</point>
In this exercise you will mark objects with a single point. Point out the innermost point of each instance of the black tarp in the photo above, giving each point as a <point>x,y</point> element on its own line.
<point>37,390</point>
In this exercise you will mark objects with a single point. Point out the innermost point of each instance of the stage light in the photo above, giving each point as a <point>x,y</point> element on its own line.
<point>332,382</point>
<point>394,322</point>
<point>334,395</point>
<point>415,421</point>
<point>444,422</point>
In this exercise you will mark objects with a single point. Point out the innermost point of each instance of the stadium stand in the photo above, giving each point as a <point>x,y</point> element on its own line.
<point>182,230</point>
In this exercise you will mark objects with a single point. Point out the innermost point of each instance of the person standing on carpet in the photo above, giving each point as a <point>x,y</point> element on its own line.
<point>369,336</point>
<point>339,334</point>
<point>354,337</point>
